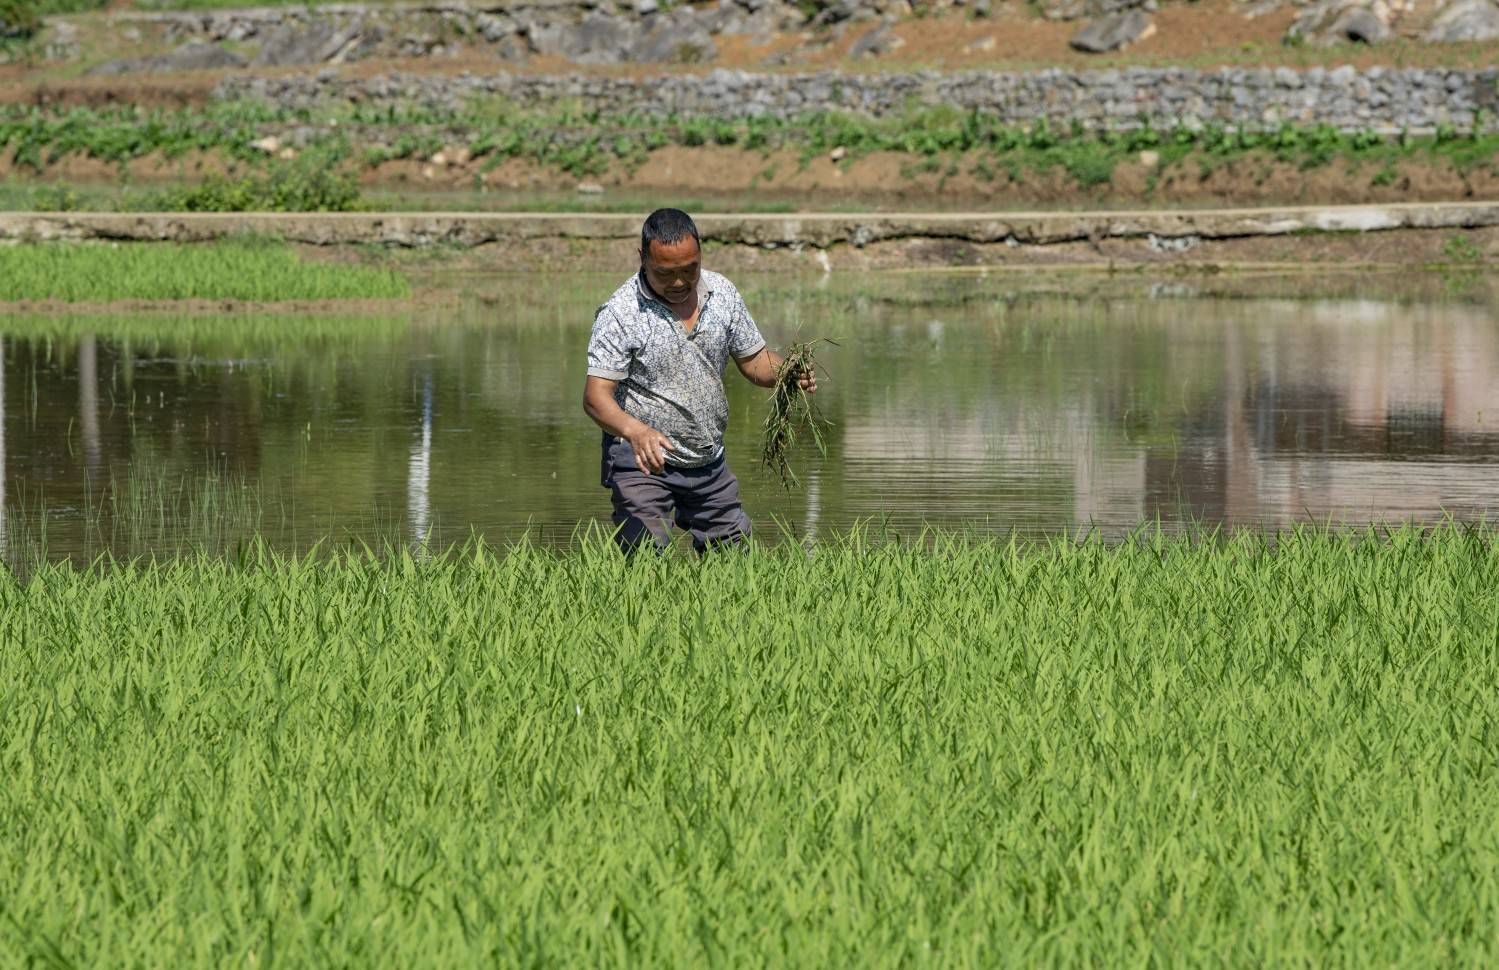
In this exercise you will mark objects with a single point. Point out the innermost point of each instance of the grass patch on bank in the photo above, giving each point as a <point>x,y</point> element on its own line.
<point>1244,750</point>
<point>242,269</point>
<point>310,183</point>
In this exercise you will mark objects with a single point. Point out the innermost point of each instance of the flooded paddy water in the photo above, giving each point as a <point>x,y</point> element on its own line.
<point>994,404</point>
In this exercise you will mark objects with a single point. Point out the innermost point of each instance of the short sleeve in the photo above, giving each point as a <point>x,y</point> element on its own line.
<point>609,349</point>
<point>744,337</point>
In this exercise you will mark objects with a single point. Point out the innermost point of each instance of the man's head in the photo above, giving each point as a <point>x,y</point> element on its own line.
<point>670,254</point>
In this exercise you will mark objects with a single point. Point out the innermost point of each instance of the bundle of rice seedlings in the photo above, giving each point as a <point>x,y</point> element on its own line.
<point>792,412</point>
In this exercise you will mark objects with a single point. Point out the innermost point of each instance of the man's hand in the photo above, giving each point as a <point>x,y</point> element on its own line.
<point>650,447</point>
<point>761,370</point>
<point>807,380</point>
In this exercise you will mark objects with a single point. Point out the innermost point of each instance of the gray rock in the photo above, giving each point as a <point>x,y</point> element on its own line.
<point>1080,9</point>
<point>1252,9</point>
<point>597,39</point>
<point>194,56</point>
<point>511,49</point>
<point>62,43</point>
<point>672,43</point>
<point>495,29</point>
<point>1361,26</point>
<point>835,11</point>
<point>416,45</point>
<point>238,30</point>
<point>317,42</point>
<point>733,18</point>
<point>600,38</point>
<point>1465,20</point>
<point>368,43</point>
<point>874,43</point>
<point>1113,32</point>
<point>1325,22</point>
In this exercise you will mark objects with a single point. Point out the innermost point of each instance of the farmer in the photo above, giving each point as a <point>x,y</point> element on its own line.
<point>655,385</point>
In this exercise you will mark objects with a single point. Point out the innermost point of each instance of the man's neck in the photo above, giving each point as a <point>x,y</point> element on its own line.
<point>683,310</point>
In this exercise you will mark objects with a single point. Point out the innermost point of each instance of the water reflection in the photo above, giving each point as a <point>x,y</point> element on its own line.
<point>419,470</point>
<point>88,402</point>
<point>984,408</point>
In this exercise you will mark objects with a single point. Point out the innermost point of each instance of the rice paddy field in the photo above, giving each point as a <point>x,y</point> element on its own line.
<point>958,753</point>
<point>1115,622</point>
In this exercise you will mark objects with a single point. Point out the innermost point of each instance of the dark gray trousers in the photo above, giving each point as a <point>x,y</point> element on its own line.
<point>704,501</point>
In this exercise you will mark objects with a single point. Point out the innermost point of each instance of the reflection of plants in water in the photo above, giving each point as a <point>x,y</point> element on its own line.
<point>1460,249</point>
<point>1461,269</point>
<point>159,402</point>
<point>188,335</point>
<point>990,351</point>
<point>1461,284</point>
<point>157,508</point>
<point>150,509</point>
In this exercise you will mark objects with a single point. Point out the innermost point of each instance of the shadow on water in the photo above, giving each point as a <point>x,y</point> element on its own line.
<point>993,404</point>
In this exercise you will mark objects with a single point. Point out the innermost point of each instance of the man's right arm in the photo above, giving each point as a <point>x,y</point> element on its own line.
<point>650,446</point>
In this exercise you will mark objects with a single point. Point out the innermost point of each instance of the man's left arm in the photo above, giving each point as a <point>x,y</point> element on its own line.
<point>762,368</point>
<point>753,356</point>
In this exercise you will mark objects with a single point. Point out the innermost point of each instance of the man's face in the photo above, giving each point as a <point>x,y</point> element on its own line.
<point>672,268</point>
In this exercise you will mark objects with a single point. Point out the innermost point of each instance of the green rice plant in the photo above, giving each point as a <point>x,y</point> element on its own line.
<point>792,410</point>
<point>239,269</point>
<point>219,334</point>
<point>1235,750</point>
<point>151,512</point>
<point>153,509</point>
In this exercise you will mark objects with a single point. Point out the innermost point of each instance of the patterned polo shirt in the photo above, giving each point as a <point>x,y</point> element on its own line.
<point>669,379</point>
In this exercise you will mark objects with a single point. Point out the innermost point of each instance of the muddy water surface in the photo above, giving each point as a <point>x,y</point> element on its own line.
<point>985,404</point>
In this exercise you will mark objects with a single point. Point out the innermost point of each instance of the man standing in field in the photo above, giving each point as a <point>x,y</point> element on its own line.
<point>655,385</point>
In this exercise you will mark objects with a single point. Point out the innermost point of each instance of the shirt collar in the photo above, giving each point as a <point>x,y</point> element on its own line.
<point>704,290</point>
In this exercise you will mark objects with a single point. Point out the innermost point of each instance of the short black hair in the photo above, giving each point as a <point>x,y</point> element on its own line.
<point>667,226</point>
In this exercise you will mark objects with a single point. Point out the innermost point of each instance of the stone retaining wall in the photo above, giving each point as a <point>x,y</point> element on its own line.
<point>1381,99</point>
<point>816,231</point>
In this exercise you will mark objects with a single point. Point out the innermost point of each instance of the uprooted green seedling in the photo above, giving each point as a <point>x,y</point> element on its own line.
<point>793,411</point>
